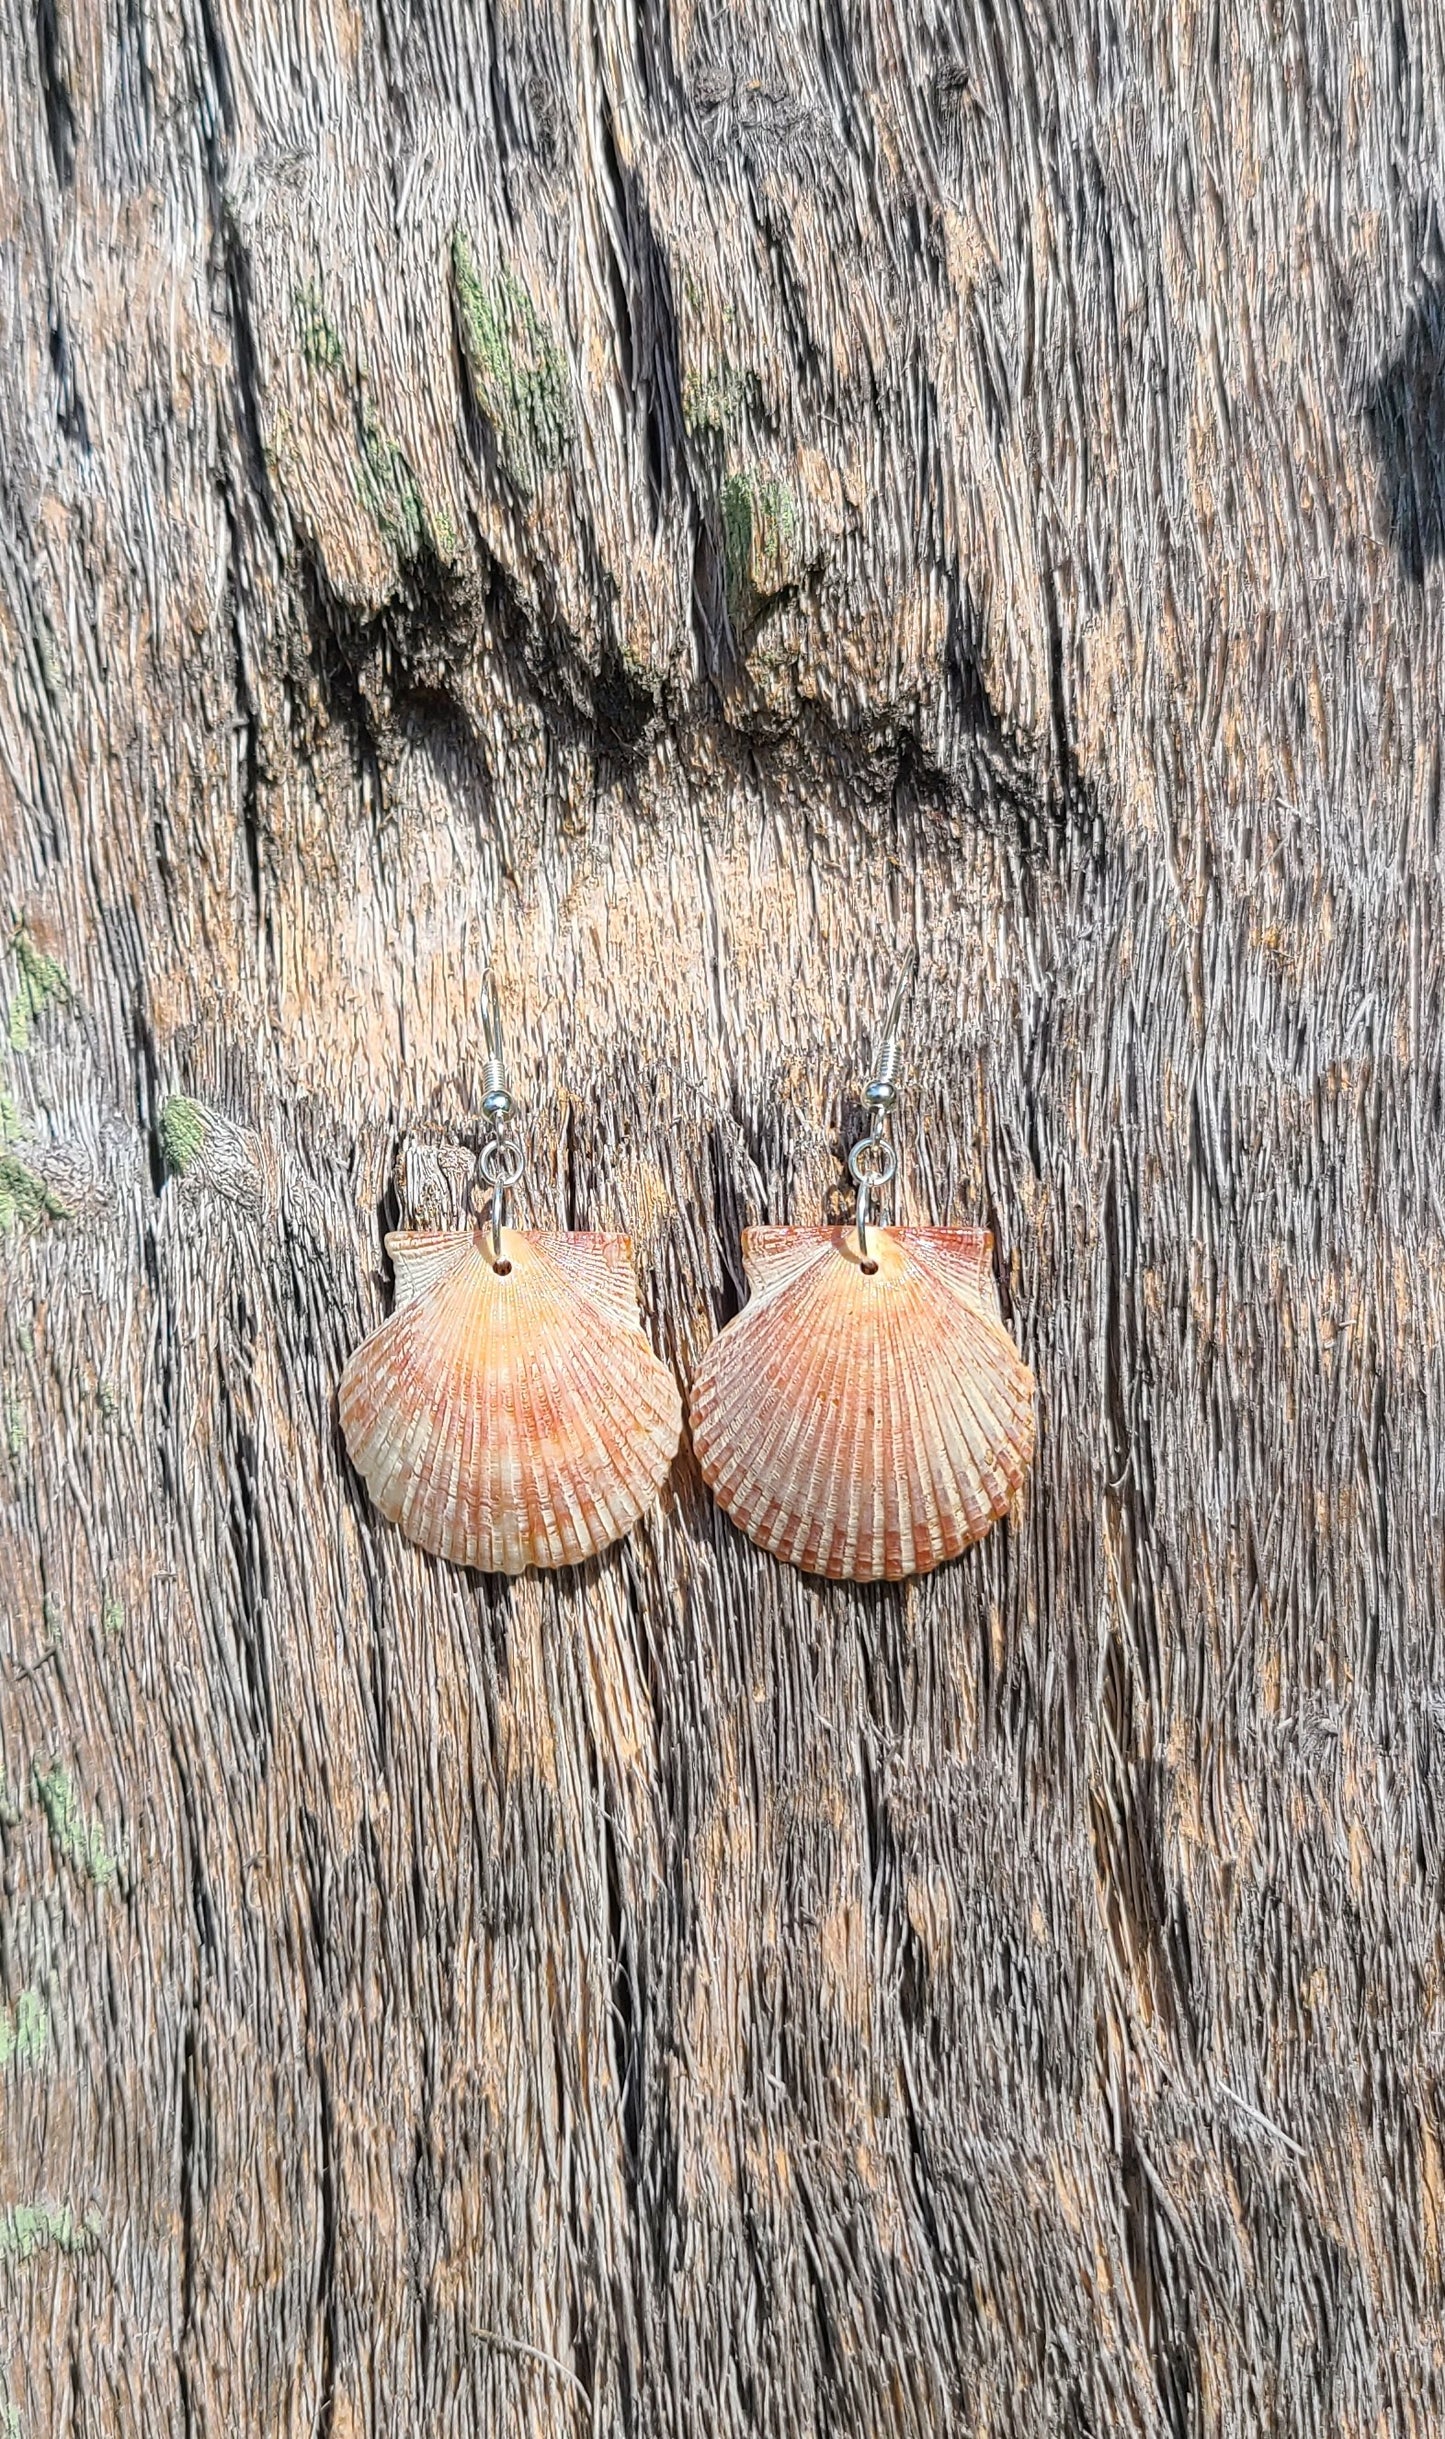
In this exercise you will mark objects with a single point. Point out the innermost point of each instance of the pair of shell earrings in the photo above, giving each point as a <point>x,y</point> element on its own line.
<point>865,1417</point>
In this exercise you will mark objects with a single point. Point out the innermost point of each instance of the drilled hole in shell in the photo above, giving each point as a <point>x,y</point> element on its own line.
<point>502,1269</point>
<point>869,1269</point>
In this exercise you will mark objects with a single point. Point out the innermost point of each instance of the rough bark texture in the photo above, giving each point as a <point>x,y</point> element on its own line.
<point>679,506</point>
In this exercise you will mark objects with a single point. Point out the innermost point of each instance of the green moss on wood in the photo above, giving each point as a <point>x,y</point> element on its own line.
<point>387,489</point>
<point>316,334</point>
<point>30,2228</point>
<point>182,1130</point>
<point>80,1843</point>
<point>760,524</point>
<point>446,537</point>
<point>519,372</point>
<point>714,402</point>
<point>385,484</point>
<point>44,984</point>
<point>24,2032</point>
<point>26,1201</point>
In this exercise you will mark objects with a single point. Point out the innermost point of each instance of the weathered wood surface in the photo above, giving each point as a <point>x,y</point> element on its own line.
<point>679,507</point>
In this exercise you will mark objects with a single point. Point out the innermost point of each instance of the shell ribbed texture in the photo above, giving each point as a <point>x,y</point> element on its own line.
<point>511,1420</point>
<point>865,1426</point>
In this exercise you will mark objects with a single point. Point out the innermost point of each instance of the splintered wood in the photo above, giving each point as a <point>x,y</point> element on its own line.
<point>673,509</point>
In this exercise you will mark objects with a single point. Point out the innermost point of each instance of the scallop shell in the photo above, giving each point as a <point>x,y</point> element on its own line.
<point>514,1418</point>
<point>865,1423</point>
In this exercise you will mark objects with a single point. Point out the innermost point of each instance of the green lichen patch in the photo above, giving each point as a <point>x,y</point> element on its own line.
<point>182,1130</point>
<point>24,2032</point>
<point>316,334</point>
<point>26,1201</point>
<point>446,538</point>
<point>387,489</point>
<point>16,1430</point>
<point>78,1842</point>
<point>44,984</point>
<point>519,372</point>
<point>30,2228</point>
<point>112,1619</point>
<point>760,525</point>
<point>715,402</point>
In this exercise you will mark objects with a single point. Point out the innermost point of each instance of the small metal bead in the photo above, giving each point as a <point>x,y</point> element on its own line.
<point>880,1094</point>
<point>496,1105</point>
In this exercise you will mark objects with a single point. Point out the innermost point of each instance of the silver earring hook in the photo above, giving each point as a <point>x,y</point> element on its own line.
<point>499,1161</point>
<point>873,1163</point>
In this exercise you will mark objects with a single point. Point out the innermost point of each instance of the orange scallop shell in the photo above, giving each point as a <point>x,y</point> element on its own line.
<point>865,1425</point>
<point>517,1419</point>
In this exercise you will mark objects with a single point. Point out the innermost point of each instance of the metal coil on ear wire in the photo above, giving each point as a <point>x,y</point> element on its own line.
<point>500,1160</point>
<point>873,1163</point>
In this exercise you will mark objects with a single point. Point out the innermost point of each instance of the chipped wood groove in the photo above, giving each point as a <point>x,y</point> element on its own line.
<point>679,507</point>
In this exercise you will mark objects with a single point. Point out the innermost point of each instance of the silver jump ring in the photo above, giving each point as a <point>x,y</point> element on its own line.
<point>861,1168</point>
<point>499,1164</point>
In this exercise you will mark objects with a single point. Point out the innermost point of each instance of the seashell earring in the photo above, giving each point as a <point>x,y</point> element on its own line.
<point>866,1416</point>
<point>510,1413</point>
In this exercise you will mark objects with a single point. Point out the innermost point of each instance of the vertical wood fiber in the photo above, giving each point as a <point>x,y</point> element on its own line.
<point>679,505</point>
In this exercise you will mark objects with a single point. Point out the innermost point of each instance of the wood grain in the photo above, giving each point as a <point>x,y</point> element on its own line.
<point>679,506</point>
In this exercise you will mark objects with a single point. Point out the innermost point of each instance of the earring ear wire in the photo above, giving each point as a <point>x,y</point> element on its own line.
<point>510,1412</point>
<point>873,1162</point>
<point>500,1160</point>
<point>866,1415</point>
